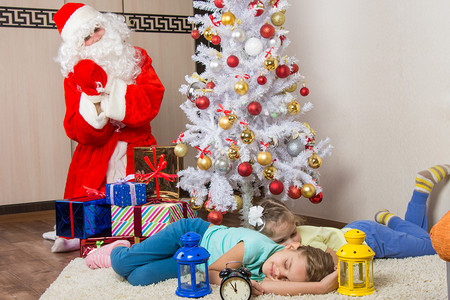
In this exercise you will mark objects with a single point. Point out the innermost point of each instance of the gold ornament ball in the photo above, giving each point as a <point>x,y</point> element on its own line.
<point>180,150</point>
<point>269,172</point>
<point>308,190</point>
<point>238,202</point>
<point>247,136</point>
<point>241,87</point>
<point>278,18</point>
<point>232,118</point>
<point>204,163</point>
<point>224,123</point>
<point>314,161</point>
<point>264,158</point>
<point>271,63</point>
<point>291,89</point>
<point>193,205</point>
<point>233,152</point>
<point>228,18</point>
<point>293,107</point>
<point>208,34</point>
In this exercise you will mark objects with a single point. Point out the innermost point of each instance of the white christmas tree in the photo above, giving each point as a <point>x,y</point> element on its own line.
<point>245,111</point>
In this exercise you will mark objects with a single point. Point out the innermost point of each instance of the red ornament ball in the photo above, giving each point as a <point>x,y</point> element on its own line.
<point>294,68</point>
<point>210,85</point>
<point>294,192</point>
<point>276,187</point>
<point>245,169</point>
<point>254,108</point>
<point>262,80</point>
<point>258,6</point>
<point>215,217</point>
<point>304,91</point>
<point>283,71</point>
<point>232,61</point>
<point>195,34</point>
<point>202,102</point>
<point>267,31</point>
<point>219,3</point>
<point>215,40</point>
<point>316,199</point>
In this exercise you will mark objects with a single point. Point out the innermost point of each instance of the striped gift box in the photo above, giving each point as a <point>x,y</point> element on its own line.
<point>150,218</point>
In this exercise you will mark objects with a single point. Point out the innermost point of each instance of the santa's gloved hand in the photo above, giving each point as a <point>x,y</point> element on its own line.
<point>90,77</point>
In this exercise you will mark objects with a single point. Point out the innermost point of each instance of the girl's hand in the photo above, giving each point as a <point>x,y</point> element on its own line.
<point>330,282</point>
<point>256,288</point>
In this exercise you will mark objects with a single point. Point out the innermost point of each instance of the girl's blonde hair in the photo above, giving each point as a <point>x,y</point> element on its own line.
<point>275,213</point>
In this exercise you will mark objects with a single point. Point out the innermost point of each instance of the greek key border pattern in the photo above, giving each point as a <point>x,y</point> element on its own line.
<point>24,17</point>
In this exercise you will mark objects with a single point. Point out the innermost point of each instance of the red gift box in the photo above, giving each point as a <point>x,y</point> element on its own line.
<point>90,244</point>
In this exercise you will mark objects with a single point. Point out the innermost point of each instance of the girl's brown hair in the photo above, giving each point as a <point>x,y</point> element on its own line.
<point>275,213</point>
<point>319,263</point>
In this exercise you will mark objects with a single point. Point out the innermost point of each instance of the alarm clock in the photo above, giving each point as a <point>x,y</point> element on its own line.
<point>236,284</point>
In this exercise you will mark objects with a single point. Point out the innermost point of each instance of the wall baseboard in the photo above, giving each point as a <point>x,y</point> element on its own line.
<point>26,207</point>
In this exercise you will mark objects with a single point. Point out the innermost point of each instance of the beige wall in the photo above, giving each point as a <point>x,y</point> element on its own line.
<point>378,71</point>
<point>379,76</point>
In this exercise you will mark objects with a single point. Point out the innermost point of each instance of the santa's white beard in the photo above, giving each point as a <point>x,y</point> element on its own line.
<point>118,59</point>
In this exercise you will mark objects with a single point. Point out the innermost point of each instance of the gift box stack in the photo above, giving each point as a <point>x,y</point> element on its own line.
<point>131,210</point>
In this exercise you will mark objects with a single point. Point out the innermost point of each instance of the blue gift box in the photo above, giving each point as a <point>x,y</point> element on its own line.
<point>126,193</point>
<point>83,217</point>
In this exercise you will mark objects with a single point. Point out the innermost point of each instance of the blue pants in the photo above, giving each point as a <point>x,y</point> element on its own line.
<point>152,260</point>
<point>401,238</point>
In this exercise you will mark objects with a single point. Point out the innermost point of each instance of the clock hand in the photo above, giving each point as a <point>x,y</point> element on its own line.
<point>234,287</point>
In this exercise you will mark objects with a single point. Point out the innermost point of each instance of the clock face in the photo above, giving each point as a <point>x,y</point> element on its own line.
<point>235,288</point>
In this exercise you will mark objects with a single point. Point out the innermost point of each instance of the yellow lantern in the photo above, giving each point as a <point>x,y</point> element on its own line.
<point>355,265</point>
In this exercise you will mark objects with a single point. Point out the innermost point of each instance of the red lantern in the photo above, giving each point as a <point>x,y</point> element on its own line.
<point>316,199</point>
<point>232,61</point>
<point>218,3</point>
<point>202,102</point>
<point>294,192</point>
<point>215,217</point>
<point>215,40</point>
<point>245,169</point>
<point>294,68</point>
<point>262,80</point>
<point>267,31</point>
<point>195,34</point>
<point>304,91</point>
<point>283,71</point>
<point>254,108</point>
<point>276,187</point>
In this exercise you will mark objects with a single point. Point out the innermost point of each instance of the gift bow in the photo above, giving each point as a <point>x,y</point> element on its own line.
<point>125,180</point>
<point>162,164</point>
<point>255,216</point>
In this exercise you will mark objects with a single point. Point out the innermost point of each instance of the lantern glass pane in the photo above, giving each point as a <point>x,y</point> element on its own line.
<point>371,273</point>
<point>359,274</point>
<point>200,275</point>
<point>185,276</point>
<point>343,273</point>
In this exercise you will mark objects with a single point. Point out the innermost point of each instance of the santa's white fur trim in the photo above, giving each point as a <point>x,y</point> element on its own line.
<point>114,105</point>
<point>89,112</point>
<point>79,17</point>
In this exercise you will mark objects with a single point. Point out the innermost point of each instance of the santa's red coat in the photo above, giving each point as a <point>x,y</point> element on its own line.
<point>138,104</point>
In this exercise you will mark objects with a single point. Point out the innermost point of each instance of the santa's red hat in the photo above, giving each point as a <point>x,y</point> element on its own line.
<point>71,16</point>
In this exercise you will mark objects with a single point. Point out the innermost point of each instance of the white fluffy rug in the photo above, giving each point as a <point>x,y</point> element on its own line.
<point>409,278</point>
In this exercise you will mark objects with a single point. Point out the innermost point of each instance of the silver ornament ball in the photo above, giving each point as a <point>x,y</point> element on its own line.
<point>238,35</point>
<point>191,90</point>
<point>215,65</point>
<point>294,147</point>
<point>222,165</point>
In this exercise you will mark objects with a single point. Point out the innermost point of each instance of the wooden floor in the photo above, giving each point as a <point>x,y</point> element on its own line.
<point>27,265</point>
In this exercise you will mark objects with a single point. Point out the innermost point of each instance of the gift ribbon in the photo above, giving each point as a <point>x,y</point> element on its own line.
<point>78,199</point>
<point>231,141</point>
<point>244,123</point>
<point>265,145</point>
<point>211,17</point>
<point>268,53</point>
<point>125,181</point>
<point>162,164</point>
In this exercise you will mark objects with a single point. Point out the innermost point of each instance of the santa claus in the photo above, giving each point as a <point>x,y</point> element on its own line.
<point>111,93</point>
